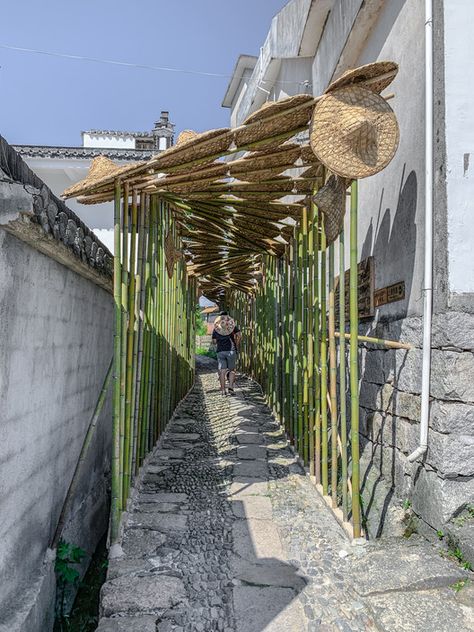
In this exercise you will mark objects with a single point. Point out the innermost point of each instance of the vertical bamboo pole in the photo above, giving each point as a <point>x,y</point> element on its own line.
<point>316,347</point>
<point>116,502</point>
<point>129,357</point>
<point>354,376</point>
<point>123,367</point>
<point>324,367</point>
<point>304,346</point>
<point>310,339</point>
<point>332,377</point>
<point>342,373</point>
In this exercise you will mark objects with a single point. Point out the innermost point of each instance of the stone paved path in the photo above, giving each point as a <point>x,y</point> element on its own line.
<point>226,533</point>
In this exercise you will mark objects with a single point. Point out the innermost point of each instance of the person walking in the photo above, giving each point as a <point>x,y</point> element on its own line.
<point>226,337</point>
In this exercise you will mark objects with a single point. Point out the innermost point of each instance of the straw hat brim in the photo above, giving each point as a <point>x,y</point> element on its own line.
<point>354,132</point>
<point>386,70</point>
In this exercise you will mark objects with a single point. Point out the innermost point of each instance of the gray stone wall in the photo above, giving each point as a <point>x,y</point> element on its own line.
<point>56,344</point>
<point>441,487</point>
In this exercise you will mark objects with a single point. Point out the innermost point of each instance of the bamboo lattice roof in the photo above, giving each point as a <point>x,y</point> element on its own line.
<point>229,212</point>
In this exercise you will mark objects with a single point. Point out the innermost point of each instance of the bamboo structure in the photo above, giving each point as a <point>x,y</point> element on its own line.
<point>189,221</point>
<point>154,336</point>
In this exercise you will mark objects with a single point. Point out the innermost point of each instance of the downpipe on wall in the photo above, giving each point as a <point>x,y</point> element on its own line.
<point>428,266</point>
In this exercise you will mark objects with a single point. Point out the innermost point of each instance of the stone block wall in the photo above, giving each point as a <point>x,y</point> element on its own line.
<point>441,487</point>
<point>56,343</point>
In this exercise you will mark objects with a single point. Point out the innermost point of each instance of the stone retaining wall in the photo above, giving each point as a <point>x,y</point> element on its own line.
<point>442,487</point>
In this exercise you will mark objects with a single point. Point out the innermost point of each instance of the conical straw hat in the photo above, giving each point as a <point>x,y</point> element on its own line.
<point>331,201</point>
<point>224,325</point>
<point>380,74</point>
<point>354,132</point>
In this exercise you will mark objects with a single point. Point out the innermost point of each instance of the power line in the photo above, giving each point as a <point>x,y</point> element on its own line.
<point>125,64</point>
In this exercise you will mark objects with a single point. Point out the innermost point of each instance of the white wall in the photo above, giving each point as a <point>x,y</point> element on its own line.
<point>459,82</point>
<point>108,141</point>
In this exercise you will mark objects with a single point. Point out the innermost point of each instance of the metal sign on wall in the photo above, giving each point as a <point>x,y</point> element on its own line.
<point>366,280</point>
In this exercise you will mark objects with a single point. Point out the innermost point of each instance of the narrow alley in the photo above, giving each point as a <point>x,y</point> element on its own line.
<point>227,533</point>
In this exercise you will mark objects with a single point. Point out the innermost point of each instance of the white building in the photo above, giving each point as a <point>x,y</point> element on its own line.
<point>309,44</point>
<point>61,167</point>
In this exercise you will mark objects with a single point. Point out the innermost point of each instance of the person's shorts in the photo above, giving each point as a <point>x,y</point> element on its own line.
<point>226,360</point>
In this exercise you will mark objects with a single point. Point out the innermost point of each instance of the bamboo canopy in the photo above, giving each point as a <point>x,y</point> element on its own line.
<point>235,215</point>
<point>241,206</point>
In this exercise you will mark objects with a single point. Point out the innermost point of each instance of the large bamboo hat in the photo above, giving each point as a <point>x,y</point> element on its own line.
<point>224,325</point>
<point>354,132</point>
<point>331,201</point>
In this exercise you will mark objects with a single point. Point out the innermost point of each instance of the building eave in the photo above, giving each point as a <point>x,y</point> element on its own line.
<point>244,62</point>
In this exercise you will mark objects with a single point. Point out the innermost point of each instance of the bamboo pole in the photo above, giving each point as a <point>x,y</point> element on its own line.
<point>129,356</point>
<point>316,348</point>
<point>354,370</point>
<point>116,501</point>
<point>304,343</point>
<point>323,367</point>
<point>391,344</point>
<point>123,348</point>
<point>342,375</point>
<point>332,377</point>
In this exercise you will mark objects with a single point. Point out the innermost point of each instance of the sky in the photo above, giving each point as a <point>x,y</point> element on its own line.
<point>46,100</point>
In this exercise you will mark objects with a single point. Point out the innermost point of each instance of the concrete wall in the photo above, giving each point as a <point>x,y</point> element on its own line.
<point>55,345</point>
<point>459,81</point>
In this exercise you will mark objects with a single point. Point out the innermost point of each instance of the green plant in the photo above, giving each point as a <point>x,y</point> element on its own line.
<point>440,534</point>
<point>201,327</point>
<point>406,504</point>
<point>68,556</point>
<point>210,353</point>
<point>459,585</point>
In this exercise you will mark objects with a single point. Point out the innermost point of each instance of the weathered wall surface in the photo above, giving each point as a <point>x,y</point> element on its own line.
<point>55,345</point>
<point>391,229</point>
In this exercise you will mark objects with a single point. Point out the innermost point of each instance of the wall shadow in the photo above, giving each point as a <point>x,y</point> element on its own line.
<point>394,252</point>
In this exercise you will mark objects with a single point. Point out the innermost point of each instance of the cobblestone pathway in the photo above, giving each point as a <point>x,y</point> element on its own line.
<point>226,533</point>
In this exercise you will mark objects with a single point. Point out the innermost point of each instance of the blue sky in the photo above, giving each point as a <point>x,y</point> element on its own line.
<point>48,100</point>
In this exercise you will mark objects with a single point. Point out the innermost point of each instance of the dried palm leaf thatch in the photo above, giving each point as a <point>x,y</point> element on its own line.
<point>280,184</point>
<point>100,167</point>
<point>282,155</point>
<point>260,175</point>
<point>274,119</point>
<point>206,145</point>
<point>331,201</point>
<point>375,76</point>
<point>354,132</point>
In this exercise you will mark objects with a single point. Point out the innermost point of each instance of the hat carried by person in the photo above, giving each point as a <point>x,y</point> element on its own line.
<point>224,325</point>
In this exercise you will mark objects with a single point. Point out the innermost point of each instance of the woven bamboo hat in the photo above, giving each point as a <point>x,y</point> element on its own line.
<point>224,325</point>
<point>354,132</point>
<point>378,76</point>
<point>331,201</point>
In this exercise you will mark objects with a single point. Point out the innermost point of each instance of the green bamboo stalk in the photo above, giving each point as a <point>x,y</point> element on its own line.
<point>342,375</point>
<point>323,360</point>
<point>129,357</point>
<point>304,343</point>
<point>116,495</point>
<point>123,367</point>
<point>354,374</point>
<point>332,377</point>
<point>316,348</point>
<point>310,339</point>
